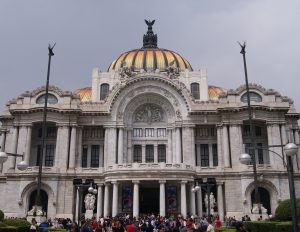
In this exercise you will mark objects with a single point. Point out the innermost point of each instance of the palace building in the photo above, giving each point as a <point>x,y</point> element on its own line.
<point>145,130</point>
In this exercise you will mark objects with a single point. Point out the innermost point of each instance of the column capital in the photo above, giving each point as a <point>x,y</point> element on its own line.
<point>162,181</point>
<point>99,184</point>
<point>220,182</point>
<point>114,182</point>
<point>183,181</point>
<point>107,183</point>
<point>135,181</point>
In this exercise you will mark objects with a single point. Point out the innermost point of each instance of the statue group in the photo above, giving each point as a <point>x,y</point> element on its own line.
<point>212,202</point>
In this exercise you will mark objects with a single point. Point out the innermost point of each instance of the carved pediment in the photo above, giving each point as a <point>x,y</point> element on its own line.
<point>149,113</point>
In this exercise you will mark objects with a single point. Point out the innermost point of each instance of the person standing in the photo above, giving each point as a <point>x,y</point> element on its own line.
<point>210,227</point>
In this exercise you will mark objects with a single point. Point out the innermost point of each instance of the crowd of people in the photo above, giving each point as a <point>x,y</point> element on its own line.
<point>145,223</point>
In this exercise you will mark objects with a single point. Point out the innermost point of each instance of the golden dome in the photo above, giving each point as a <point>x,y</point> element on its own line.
<point>214,92</point>
<point>85,94</point>
<point>150,57</point>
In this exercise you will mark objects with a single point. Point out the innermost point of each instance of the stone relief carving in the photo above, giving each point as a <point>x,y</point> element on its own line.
<point>126,71</point>
<point>149,113</point>
<point>172,70</point>
<point>178,114</point>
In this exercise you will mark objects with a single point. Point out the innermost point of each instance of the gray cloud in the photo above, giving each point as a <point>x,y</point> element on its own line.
<point>93,33</point>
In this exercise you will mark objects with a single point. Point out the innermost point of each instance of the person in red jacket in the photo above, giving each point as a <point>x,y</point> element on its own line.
<point>218,223</point>
<point>130,227</point>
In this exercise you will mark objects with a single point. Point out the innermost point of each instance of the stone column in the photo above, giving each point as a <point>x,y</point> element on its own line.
<point>120,146</point>
<point>219,142</point>
<point>13,148</point>
<point>115,199</point>
<point>173,145</point>
<point>28,144</point>
<point>297,157</point>
<point>283,138</point>
<point>183,198</point>
<point>155,154</point>
<point>162,198</point>
<point>178,146</point>
<point>169,151</point>
<point>192,199</point>
<point>135,198</point>
<point>199,203</point>
<point>143,153</point>
<point>129,145</point>
<point>79,147</point>
<point>274,139</point>
<point>111,143</point>
<point>236,144</point>
<point>193,148</point>
<point>72,148</point>
<point>188,145</point>
<point>226,147</point>
<point>2,144</point>
<point>220,200</point>
<point>62,145</point>
<point>106,200</point>
<point>210,156</point>
<point>99,201</point>
<point>77,205</point>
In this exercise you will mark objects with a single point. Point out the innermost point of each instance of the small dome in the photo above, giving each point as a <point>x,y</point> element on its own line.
<point>85,94</point>
<point>150,57</point>
<point>215,91</point>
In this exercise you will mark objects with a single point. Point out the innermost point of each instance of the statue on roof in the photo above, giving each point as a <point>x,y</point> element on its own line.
<point>150,39</point>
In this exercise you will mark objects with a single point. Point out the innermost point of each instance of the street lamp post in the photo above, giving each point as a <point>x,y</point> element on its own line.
<point>4,156</point>
<point>207,186</point>
<point>256,205</point>
<point>290,150</point>
<point>77,182</point>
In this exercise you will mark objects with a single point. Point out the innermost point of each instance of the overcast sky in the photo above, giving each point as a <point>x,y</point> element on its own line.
<point>93,33</point>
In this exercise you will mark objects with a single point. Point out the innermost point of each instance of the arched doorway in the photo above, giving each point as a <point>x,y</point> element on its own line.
<point>44,200</point>
<point>264,198</point>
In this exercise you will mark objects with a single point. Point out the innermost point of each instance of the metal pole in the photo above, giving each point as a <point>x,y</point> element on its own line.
<point>292,193</point>
<point>38,195</point>
<point>251,151</point>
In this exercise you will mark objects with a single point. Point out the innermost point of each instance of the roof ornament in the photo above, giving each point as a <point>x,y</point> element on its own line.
<point>126,71</point>
<point>172,70</point>
<point>150,39</point>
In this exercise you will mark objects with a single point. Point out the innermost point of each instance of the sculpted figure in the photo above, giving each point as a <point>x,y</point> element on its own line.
<point>89,201</point>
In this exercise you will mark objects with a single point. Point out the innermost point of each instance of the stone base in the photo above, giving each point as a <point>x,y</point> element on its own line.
<point>37,213</point>
<point>258,211</point>
<point>89,214</point>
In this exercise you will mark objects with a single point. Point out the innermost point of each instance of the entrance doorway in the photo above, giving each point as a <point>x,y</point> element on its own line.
<point>264,198</point>
<point>149,200</point>
<point>43,197</point>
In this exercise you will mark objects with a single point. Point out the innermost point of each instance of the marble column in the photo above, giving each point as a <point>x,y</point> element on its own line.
<point>99,201</point>
<point>72,148</point>
<point>11,162</point>
<point>28,144</point>
<point>219,142</point>
<point>192,199</point>
<point>155,154</point>
<point>199,203</point>
<point>2,144</point>
<point>297,157</point>
<point>169,153</point>
<point>135,198</point>
<point>79,147</point>
<point>77,205</point>
<point>115,200</point>
<point>178,145</point>
<point>143,153</point>
<point>226,147</point>
<point>129,145</point>
<point>162,198</point>
<point>220,200</point>
<point>120,146</point>
<point>106,200</point>
<point>183,198</point>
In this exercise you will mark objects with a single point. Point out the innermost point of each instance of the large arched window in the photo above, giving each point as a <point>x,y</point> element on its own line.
<point>195,90</point>
<point>104,88</point>
<point>255,97</point>
<point>51,99</point>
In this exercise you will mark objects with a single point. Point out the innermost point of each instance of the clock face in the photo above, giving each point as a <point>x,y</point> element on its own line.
<point>51,99</point>
<point>255,97</point>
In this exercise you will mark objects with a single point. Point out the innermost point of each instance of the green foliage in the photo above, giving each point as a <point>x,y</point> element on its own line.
<point>283,211</point>
<point>1,215</point>
<point>16,222</point>
<point>284,227</point>
<point>2,224</point>
<point>265,226</point>
<point>14,229</point>
<point>224,229</point>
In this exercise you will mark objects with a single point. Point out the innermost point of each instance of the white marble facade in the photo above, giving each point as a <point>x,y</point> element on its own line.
<point>148,131</point>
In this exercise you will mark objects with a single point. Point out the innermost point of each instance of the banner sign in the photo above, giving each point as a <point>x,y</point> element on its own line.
<point>127,199</point>
<point>171,199</point>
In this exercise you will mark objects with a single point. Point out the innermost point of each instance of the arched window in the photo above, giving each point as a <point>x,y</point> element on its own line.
<point>51,99</point>
<point>253,97</point>
<point>104,91</point>
<point>195,90</point>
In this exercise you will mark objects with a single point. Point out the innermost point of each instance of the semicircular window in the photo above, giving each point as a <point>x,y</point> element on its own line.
<point>51,99</point>
<point>253,97</point>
